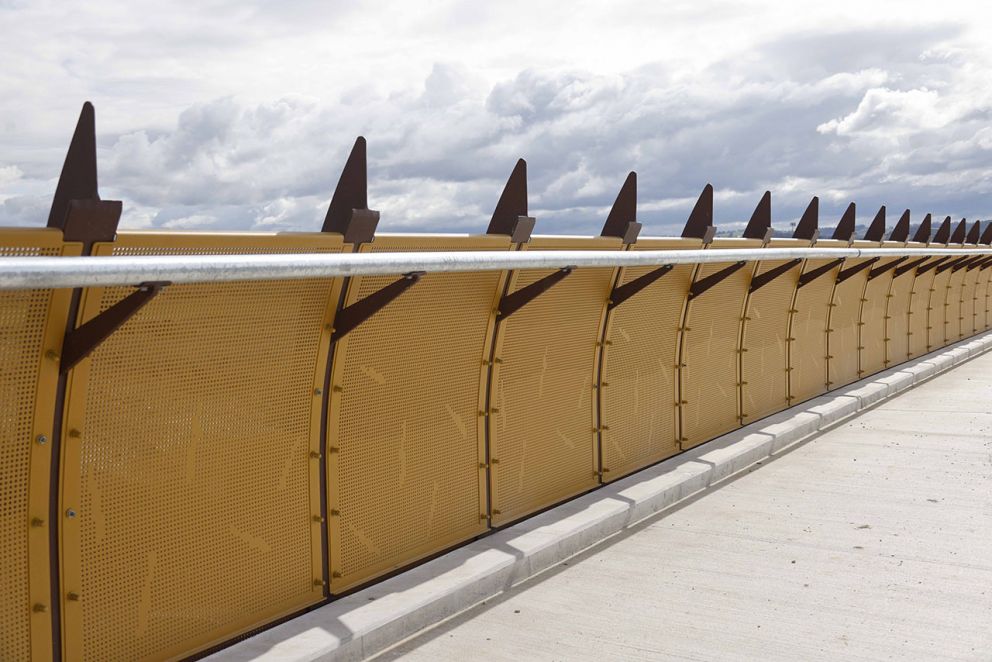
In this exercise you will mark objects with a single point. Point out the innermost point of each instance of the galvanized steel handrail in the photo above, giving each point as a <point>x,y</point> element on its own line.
<point>18,273</point>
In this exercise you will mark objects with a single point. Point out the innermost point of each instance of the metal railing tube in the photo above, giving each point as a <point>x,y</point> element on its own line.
<point>63,272</point>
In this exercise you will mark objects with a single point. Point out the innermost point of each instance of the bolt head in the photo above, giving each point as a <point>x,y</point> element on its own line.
<point>70,513</point>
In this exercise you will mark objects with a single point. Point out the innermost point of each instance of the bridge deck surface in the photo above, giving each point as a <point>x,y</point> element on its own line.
<point>871,541</point>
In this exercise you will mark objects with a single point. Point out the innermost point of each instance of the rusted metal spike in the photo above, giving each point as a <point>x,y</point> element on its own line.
<point>80,342</point>
<point>512,206</point>
<point>959,232</point>
<point>701,219</point>
<point>943,232</point>
<point>621,221</point>
<point>987,235</point>
<point>974,233</point>
<point>876,231</point>
<point>900,232</point>
<point>78,178</point>
<point>761,219</point>
<point>845,227</point>
<point>350,317</point>
<point>922,235</point>
<point>810,222</point>
<point>349,213</point>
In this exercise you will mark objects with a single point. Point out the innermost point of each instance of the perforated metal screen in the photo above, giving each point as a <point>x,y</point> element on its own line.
<point>637,404</point>
<point>543,442</point>
<point>871,335</point>
<point>405,478</point>
<point>985,305</point>
<point>31,325</point>
<point>953,306</point>
<point>897,317</point>
<point>919,312</point>
<point>843,335</point>
<point>710,399</point>
<point>937,321</point>
<point>764,364</point>
<point>807,331</point>
<point>187,456</point>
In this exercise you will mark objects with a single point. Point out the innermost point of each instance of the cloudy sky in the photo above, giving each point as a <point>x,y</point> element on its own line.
<point>238,114</point>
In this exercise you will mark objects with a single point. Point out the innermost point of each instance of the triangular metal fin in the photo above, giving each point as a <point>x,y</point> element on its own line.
<point>974,233</point>
<point>959,232</point>
<point>624,210</point>
<point>922,235</point>
<point>761,219</point>
<point>876,231</point>
<point>701,218</point>
<point>845,227</point>
<point>900,232</point>
<point>943,232</point>
<point>351,193</point>
<point>987,235</point>
<point>810,221</point>
<point>512,202</point>
<point>78,178</point>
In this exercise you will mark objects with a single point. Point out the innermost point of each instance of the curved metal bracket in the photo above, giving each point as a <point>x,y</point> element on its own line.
<point>627,290</point>
<point>353,316</point>
<point>701,286</point>
<point>511,303</point>
<point>83,340</point>
<point>810,276</point>
<point>763,279</point>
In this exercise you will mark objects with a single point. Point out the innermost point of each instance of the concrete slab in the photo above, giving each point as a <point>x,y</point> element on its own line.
<point>871,541</point>
<point>368,621</point>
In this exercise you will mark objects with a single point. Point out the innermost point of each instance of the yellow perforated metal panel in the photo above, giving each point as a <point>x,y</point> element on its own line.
<point>187,456</point>
<point>32,324</point>
<point>543,442</point>
<point>985,305</point>
<point>764,376</point>
<point>897,317</point>
<point>637,404</point>
<point>969,287</point>
<point>937,310</point>
<point>407,443</point>
<point>843,337</point>
<point>872,332</point>
<point>807,331</point>
<point>952,306</point>
<point>710,399</point>
<point>919,312</point>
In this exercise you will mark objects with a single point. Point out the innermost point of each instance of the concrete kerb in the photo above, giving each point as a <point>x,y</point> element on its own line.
<point>371,620</point>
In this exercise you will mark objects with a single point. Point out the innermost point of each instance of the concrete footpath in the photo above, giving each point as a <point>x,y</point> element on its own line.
<point>871,541</point>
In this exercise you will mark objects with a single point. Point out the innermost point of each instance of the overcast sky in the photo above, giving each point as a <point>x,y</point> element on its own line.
<point>239,114</point>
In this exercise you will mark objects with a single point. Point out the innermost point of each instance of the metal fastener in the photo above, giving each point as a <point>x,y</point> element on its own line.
<point>41,439</point>
<point>70,513</point>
